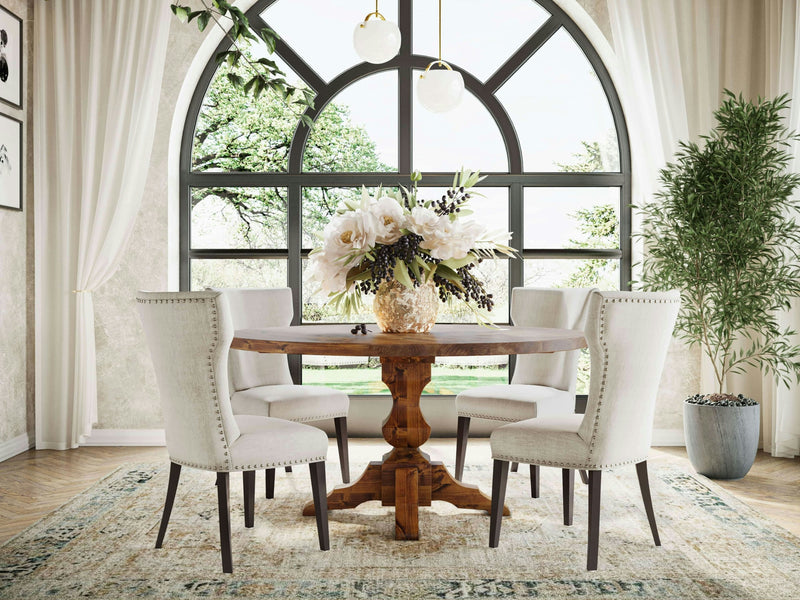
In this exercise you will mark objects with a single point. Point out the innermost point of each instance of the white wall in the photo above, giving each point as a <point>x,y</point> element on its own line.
<point>16,274</point>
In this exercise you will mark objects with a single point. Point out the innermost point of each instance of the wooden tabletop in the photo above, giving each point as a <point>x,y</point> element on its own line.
<point>442,340</point>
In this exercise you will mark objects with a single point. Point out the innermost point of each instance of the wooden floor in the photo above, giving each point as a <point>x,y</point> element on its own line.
<point>34,483</point>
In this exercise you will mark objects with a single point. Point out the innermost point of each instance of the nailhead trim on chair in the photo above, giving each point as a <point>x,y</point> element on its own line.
<point>490,417</point>
<point>319,418</point>
<point>248,467</point>
<point>596,424</point>
<point>566,465</point>
<point>212,379</point>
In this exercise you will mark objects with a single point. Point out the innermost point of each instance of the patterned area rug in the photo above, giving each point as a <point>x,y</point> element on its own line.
<point>100,545</point>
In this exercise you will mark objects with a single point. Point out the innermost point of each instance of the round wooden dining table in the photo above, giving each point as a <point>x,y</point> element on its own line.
<point>405,477</point>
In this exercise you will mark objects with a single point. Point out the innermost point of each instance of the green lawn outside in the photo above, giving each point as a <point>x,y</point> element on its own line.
<point>445,380</point>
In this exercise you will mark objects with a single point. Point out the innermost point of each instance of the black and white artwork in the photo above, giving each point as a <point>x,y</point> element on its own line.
<point>10,58</point>
<point>10,163</point>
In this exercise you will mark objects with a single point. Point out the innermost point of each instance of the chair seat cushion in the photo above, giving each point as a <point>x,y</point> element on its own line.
<point>513,402</point>
<point>552,441</point>
<point>291,402</point>
<point>266,443</point>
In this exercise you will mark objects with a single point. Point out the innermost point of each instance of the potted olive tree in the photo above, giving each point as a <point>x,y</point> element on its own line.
<point>723,231</point>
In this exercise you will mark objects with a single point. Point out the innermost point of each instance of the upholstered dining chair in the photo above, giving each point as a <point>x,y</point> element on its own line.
<point>543,384</point>
<point>261,383</point>
<point>189,335</point>
<point>628,334</point>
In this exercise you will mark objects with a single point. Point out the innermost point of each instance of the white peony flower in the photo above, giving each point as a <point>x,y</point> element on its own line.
<point>423,221</point>
<point>330,273</point>
<point>452,239</point>
<point>353,231</point>
<point>390,220</point>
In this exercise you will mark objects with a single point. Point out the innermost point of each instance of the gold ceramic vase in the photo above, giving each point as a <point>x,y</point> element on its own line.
<point>399,309</point>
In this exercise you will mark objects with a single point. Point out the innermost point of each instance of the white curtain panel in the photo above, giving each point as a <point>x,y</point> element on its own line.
<point>678,56</point>
<point>97,81</point>
<point>780,404</point>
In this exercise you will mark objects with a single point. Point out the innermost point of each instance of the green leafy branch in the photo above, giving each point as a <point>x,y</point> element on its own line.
<point>721,231</point>
<point>264,73</point>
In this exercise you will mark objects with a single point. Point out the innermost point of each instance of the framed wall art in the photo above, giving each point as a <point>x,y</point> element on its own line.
<point>10,163</point>
<point>10,58</point>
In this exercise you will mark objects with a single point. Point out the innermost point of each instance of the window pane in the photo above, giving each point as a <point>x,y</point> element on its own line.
<point>560,111</point>
<point>350,374</point>
<point>572,217</point>
<point>236,132</point>
<point>504,27</point>
<point>466,136</point>
<point>238,218</point>
<point>321,31</point>
<point>454,374</point>
<point>238,273</point>
<point>357,130</point>
<point>602,273</point>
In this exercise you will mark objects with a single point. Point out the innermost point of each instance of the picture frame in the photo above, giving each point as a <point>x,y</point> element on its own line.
<point>10,58</point>
<point>11,163</point>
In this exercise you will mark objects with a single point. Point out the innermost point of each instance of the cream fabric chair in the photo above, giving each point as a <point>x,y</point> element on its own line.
<point>543,384</point>
<point>628,335</point>
<point>189,335</point>
<point>261,383</point>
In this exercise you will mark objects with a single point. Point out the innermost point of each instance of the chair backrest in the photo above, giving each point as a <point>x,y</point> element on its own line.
<point>189,334</point>
<point>255,309</point>
<point>549,307</point>
<point>628,335</point>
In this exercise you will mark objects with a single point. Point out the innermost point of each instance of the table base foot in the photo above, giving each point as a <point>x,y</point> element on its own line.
<point>406,479</point>
<point>462,495</point>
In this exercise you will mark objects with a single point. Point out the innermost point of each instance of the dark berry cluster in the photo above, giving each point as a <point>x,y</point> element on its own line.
<point>382,268</point>
<point>473,289</point>
<point>451,202</point>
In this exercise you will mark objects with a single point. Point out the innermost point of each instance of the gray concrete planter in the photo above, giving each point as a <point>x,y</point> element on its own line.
<point>721,441</point>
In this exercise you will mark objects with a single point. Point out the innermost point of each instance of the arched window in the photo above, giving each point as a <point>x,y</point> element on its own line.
<point>540,118</point>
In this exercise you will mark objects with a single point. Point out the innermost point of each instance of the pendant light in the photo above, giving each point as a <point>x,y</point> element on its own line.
<point>440,90</point>
<point>376,41</point>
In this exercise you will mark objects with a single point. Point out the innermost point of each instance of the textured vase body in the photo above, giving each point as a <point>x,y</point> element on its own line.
<point>721,441</point>
<point>399,309</point>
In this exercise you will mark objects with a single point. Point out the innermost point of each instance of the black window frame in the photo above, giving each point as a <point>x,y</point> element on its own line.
<point>405,63</point>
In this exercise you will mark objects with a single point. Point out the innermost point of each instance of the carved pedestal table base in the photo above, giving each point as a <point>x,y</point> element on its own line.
<point>405,478</point>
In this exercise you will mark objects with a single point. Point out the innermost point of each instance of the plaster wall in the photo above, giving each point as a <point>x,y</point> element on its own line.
<point>128,397</point>
<point>16,267</point>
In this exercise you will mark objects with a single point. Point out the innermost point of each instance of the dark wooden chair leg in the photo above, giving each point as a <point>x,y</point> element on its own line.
<point>461,445</point>
<point>288,468</point>
<point>499,481</point>
<point>584,476</point>
<point>568,487</point>
<point>534,481</point>
<point>644,486</point>
<point>270,473</point>
<point>249,490</point>
<point>172,487</point>
<point>514,467</point>
<point>224,501</point>
<point>341,442</point>
<point>319,493</point>
<point>594,520</point>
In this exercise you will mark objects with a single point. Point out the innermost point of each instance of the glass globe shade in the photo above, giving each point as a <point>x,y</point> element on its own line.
<point>376,41</point>
<point>440,90</point>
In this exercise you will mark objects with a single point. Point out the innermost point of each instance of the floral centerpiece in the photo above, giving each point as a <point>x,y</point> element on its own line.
<point>411,253</point>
